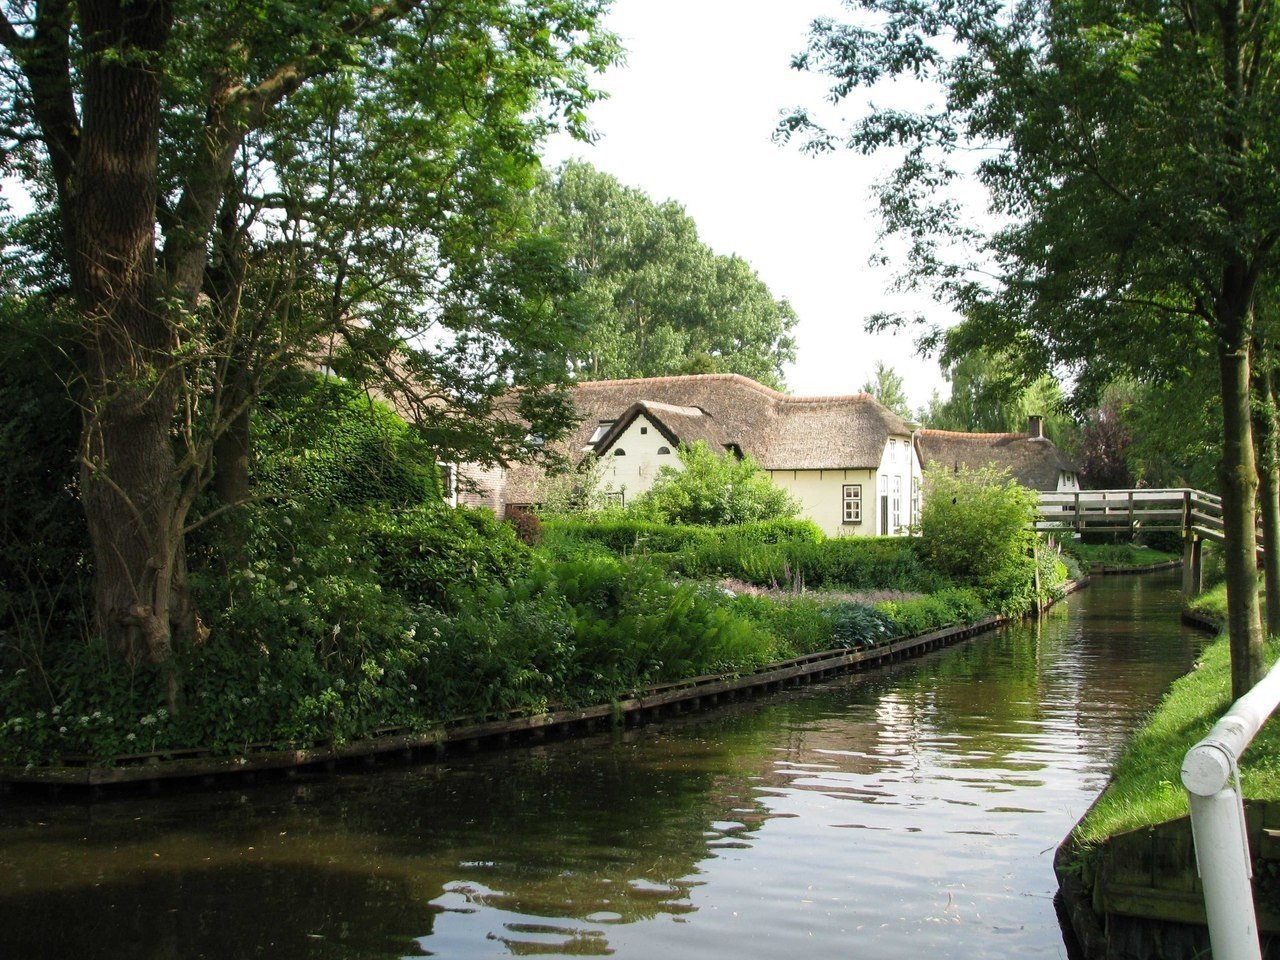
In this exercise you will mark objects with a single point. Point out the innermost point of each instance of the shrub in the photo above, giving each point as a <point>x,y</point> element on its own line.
<point>857,626</point>
<point>976,528</point>
<point>713,489</point>
<point>527,526</point>
<point>954,605</point>
<point>427,553</point>
<point>321,439</point>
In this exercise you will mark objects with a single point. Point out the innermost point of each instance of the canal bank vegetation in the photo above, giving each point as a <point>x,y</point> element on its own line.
<point>1146,788</point>
<point>349,601</point>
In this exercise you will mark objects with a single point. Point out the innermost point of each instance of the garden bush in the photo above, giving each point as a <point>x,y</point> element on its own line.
<point>429,552</point>
<point>713,489</point>
<point>322,439</point>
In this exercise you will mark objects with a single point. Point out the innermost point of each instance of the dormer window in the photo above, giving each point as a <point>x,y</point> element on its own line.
<point>601,430</point>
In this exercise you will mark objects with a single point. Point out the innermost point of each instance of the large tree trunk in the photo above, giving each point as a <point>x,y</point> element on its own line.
<point>1264,424</point>
<point>129,482</point>
<point>1239,482</point>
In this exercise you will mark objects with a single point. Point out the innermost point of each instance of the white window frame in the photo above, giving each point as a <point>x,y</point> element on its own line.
<point>615,497</point>
<point>851,502</point>
<point>895,504</point>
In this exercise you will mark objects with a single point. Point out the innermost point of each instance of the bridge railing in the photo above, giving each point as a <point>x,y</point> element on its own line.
<point>1179,509</point>
<point>1211,774</point>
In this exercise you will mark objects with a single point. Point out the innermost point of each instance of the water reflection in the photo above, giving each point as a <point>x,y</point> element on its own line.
<point>906,813</point>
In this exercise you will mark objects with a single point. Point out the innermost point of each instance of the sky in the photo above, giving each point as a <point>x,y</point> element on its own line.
<point>690,118</point>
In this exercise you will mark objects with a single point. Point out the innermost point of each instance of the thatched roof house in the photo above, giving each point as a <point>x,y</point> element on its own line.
<point>1031,458</point>
<point>823,449</point>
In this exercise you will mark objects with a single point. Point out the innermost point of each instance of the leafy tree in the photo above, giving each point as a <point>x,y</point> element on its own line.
<point>656,300</point>
<point>887,386</point>
<point>1104,445</point>
<point>134,125</point>
<point>1133,164</point>
<point>713,489</point>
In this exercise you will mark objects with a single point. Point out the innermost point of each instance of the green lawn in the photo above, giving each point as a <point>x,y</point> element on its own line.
<point>1120,555</point>
<point>1146,787</point>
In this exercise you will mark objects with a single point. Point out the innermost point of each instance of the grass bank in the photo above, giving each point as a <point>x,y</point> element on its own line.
<point>1118,555</point>
<point>1146,787</point>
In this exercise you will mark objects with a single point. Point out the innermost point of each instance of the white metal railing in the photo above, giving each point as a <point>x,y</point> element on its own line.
<point>1211,774</point>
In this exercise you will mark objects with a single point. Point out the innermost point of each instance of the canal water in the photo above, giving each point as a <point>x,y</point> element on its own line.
<point>903,814</point>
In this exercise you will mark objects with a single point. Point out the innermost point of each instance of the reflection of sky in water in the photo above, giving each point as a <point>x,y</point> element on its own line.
<point>896,815</point>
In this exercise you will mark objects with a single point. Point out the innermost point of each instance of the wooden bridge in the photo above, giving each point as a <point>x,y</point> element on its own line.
<point>1193,514</point>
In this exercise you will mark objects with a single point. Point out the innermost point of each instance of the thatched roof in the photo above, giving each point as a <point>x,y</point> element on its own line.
<point>780,431</point>
<point>1033,461</point>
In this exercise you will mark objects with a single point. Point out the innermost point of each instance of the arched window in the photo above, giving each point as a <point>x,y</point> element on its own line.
<point>664,451</point>
<point>619,452</point>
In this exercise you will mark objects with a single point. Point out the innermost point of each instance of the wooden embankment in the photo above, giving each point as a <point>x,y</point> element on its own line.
<point>669,699</point>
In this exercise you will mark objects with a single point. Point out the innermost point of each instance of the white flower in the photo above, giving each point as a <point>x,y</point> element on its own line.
<point>56,711</point>
<point>291,586</point>
<point>130,737</point>
<point>62,729</point>
<point>97,715</point>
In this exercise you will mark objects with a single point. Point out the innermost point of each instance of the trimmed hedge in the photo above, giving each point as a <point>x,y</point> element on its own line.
<point>624,536</point>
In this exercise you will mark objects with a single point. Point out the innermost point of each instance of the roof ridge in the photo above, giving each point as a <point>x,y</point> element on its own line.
<point>739,378</point>
<point>974,436</point>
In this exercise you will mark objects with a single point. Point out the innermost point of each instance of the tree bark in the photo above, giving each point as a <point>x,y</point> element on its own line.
<point>128,472</point>
<point>1239,480</point>
<point>1264,422</point>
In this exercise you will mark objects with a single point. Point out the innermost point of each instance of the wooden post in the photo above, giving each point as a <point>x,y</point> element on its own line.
<point>1131,530</point>
<point>1078,527</point>
<point>1192,574</point>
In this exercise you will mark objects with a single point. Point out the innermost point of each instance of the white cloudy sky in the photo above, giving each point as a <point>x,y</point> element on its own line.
<point>690,118</point>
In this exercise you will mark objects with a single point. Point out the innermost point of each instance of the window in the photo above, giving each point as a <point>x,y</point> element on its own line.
<point>619,452</point>
<point>915,500</point>
<point>852,498</point>
<point>897,504</point>
<point>615,498</point>
<point>601,430</point>
<point>664,451</point>
<point>644,430</point>
<point>893,450</point>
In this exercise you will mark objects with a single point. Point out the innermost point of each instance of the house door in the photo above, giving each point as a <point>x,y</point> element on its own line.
<point>884,514</point>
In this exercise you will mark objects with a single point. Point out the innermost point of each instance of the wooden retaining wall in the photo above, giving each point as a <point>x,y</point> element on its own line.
<point>653,703</point>
<point>1141,898</point>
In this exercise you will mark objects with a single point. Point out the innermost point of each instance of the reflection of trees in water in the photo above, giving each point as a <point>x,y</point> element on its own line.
<point>613,831</point>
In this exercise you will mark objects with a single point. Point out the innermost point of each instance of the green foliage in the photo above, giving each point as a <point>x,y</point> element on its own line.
<point>584,632</point>
<point>862,563</point>
<point>799,624</point>
<point>954,605</point>
<point>887,386</point>
<point>713,489</point>
<point>324,439</point>
<point>430,552</point>
<point>623,533</point>
<point>975,524</point>
<point>858,625</point>
<point>656,300</point>
<point>44,563</point>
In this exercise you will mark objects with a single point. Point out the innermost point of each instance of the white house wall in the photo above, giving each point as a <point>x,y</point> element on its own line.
<point>633,473</point>
<point>898,474</point>
<point>821,497</point>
